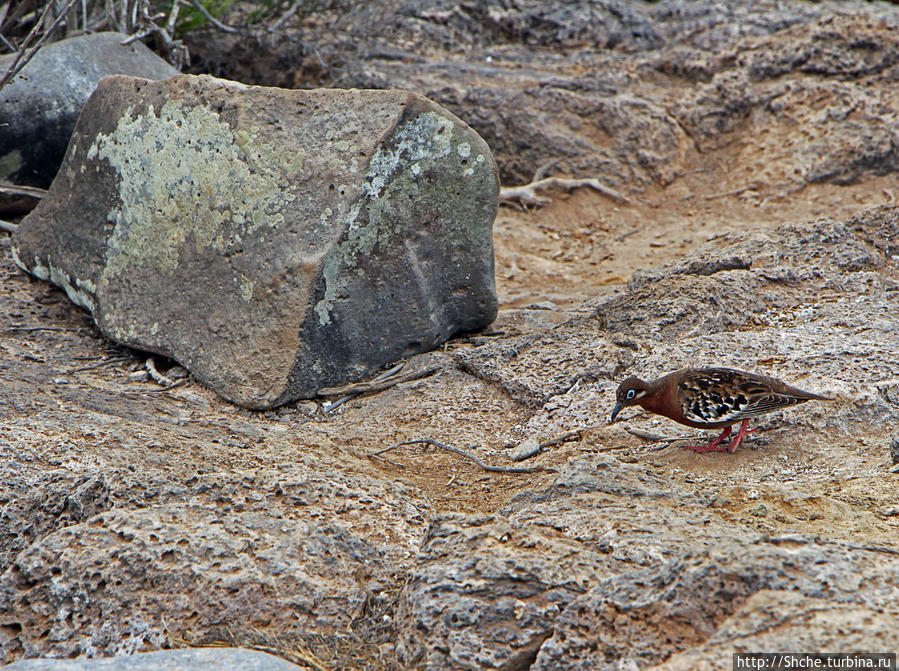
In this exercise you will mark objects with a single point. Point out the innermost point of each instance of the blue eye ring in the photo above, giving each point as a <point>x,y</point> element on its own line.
<point>630,394</point>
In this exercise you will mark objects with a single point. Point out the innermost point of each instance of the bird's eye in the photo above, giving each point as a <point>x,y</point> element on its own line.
<point>630,394</point>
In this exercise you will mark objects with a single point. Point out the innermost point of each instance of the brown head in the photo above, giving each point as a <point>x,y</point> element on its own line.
<point>630,392</point>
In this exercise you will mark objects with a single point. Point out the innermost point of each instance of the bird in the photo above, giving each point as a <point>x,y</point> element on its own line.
<point>711,398</point>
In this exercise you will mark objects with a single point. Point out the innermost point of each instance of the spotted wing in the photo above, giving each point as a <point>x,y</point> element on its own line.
<point>715,395</point>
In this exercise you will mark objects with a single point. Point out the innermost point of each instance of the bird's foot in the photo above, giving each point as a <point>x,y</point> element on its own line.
<point>714,446</point>
<point>741,434</point>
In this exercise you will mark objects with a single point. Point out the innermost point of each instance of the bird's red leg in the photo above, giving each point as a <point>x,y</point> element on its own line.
<point>741,434</point>
<point>714,446</point>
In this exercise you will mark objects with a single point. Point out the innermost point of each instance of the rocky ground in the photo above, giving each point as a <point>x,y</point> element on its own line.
<point>760,232</point>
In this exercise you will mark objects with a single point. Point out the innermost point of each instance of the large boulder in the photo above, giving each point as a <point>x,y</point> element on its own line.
<point>274,242</point>
<point>39,107</point>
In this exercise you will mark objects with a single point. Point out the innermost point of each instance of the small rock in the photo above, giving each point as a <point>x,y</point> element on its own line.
<point>39,107</point>
<point>760,511</point>
<point>524,450</point>
<point>894,450</point>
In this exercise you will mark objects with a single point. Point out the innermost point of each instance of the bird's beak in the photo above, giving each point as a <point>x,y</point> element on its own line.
<point>615,411</point>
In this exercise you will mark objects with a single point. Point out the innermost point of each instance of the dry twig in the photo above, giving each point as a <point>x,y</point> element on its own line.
<point>8,189</point>
<point>386,375</point>
<point>727,194</point>
<point>209,17</point>
<point>463,453</point>
<point>526,195</point>
<point>100,364</point>
<point>32,329</point>
<point>7,226</point>
<point>158,377</point>
<point>174,51</point>
<point>376,385</point>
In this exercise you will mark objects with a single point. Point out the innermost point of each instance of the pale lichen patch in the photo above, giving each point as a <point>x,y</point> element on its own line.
<point>246,288</point>
<point>18,260</point>
<point>426,137</point>
<point>80,292</point>
<point>171,167</point>
<point>420,142</point>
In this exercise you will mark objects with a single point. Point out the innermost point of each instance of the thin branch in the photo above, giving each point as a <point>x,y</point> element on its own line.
<point>32,329</point>
<point>466,454</point>
<point>624,236</point>
<point>525,451</point>
<point>290,12</point>
<point>386,375</point>
<point>158,377</point>
<point>139,35</point>
<point>374,385</point>
<point>153,390</point>
<point>650,436</point>
<point>20,52</point>
<point>17,190</point>
<point>100,364</point>
<point>527,194</point>
<point>541,172</point>
<point>209,17</point>
<point>726,194</point>
<point>565,437</point>
<point>173,17</point>
<point>8,226</point>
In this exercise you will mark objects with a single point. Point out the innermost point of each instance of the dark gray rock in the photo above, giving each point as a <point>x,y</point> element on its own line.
<point>273,242</point>
<point>182,659</point>
<point>39,107</point>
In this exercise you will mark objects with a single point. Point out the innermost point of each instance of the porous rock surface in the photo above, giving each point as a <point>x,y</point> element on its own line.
<point>197,555</point>
<point>273,242</point>
<point>39,106</point>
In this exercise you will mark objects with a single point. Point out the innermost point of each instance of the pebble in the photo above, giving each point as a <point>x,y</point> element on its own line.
<point>524,450</point>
